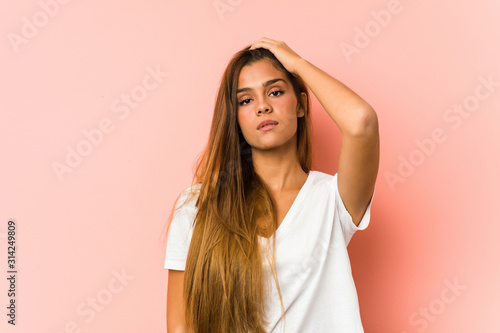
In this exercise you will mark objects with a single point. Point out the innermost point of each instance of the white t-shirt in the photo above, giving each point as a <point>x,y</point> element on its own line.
<point>314,272</point>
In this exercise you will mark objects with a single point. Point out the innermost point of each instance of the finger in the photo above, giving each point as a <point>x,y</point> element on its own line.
<point>264,42</point>
<point>268,40</point>
<point>259,43</point>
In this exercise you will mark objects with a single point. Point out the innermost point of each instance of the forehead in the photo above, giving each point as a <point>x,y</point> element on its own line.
<point>253,75</point>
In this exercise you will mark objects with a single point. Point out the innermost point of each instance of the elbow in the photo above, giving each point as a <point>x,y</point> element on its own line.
<point>364,123</point>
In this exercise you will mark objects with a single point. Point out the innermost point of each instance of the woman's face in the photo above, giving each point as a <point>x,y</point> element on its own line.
<point>265,93</point>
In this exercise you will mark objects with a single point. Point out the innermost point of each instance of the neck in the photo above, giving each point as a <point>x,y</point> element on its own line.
<point>280,170</point>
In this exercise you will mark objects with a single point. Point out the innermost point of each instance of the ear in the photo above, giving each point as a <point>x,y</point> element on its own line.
<point>300,109</point>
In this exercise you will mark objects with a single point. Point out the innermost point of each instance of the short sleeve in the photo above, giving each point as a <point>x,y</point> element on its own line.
<point>180,233</point>
<point>348,226</point>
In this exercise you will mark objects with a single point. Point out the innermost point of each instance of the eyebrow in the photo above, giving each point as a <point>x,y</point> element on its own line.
<point>265,84</point>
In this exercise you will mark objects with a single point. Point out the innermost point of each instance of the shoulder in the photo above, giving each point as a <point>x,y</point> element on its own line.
<point>185,209</point>
<point>320,178</point>
<point>188,197</point>
<point>325,185</point>
<point>322,175</point>
<point>319,187</point>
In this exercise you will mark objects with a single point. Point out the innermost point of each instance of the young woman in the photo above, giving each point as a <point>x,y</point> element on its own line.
<point>258,242</point>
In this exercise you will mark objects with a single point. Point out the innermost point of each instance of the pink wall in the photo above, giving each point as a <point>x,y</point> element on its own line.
<point>89,174</point>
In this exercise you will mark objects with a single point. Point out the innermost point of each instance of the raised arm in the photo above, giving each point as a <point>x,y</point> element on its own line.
<point>356,120</point>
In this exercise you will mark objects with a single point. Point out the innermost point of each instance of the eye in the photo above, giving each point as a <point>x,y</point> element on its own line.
<point>277,93</point>
<point>244,102</point>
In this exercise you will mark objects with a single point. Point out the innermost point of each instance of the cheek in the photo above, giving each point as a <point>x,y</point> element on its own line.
<point>243,120</point>
<point>290,109</point>
<point>242,123</point>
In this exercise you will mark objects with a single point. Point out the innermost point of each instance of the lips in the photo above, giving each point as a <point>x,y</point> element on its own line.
<point>267,122</point>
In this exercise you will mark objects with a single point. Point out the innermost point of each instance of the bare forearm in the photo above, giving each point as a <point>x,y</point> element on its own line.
<point>349,111</point>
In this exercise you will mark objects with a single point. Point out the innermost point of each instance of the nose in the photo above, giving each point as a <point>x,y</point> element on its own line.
<point>264,107</point>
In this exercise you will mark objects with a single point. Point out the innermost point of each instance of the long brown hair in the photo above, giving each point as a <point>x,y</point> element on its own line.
<point>224,285</point>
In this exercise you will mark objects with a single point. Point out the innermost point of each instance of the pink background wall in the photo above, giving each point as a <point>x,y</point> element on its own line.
<point>118,97</point>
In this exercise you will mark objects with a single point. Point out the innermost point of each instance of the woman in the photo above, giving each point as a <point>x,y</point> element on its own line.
<point>258,242</point>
